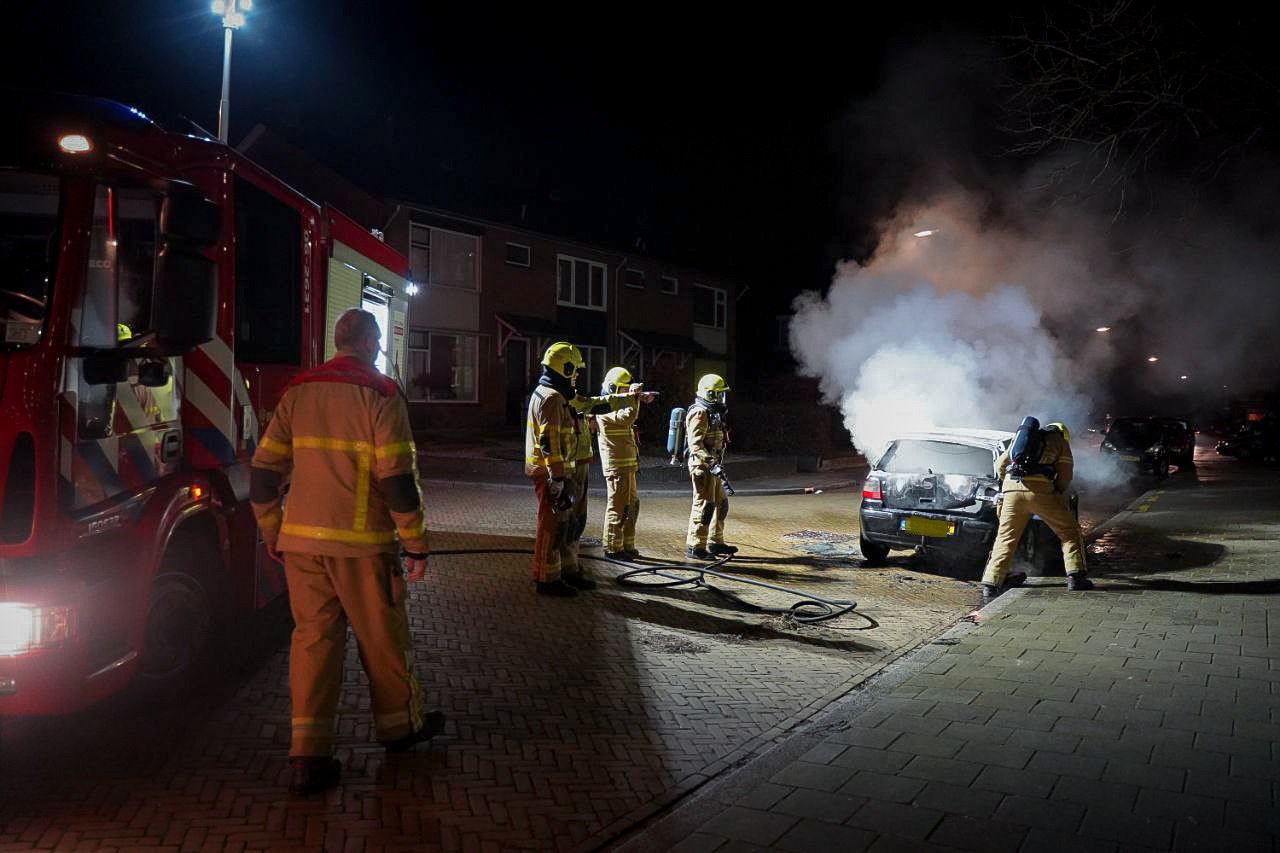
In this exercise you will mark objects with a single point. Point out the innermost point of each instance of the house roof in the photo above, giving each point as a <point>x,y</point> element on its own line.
<point>665,341</point>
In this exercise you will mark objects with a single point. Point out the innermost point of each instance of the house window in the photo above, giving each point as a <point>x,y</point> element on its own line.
<point>593,377</point>
<point>419,252</point>
<point>518,254</point>
<point>710,306</point>
<point>670,284</point>
<point>442,367</point>
<point>444,258</point>
<point>580,284</point>
<point>635,278</point>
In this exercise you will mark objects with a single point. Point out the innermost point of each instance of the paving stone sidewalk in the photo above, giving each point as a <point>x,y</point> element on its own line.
<point>1141,716</point>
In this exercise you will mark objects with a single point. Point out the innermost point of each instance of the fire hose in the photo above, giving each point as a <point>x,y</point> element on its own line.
<point>808,609</point>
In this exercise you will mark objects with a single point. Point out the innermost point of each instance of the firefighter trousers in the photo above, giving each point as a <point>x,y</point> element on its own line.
<point>577,524</point>
<point>710,506</point>
<point>325,593</point>
<point>551,541</point>
<point>1016,511</point>
<point>622,508</point>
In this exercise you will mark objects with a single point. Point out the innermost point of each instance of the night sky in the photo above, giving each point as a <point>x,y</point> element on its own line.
<point>709,138</point>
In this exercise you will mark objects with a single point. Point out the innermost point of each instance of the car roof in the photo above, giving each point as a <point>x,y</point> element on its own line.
<point>992,439</point>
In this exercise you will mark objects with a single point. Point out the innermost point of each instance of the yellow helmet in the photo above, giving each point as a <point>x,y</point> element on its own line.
<point>615,378</point>
<point>563,358</point>
<point>123,332</point>
<point>712,388</point>
<point>1062,428</point>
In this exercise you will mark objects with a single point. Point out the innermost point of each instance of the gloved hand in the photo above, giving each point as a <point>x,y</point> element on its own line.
<point>561,495</point>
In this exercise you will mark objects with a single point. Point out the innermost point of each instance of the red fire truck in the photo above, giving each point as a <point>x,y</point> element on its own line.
<point>157,291</point>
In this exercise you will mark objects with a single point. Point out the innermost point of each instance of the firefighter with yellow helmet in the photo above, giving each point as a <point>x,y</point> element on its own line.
<point>557,458</point>
<point>705,431</point>
<point>1036,473</point>
<point>550,451</point>
<point>620,457</point>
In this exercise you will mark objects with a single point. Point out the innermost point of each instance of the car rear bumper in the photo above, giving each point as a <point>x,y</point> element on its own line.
<point>884,527</point>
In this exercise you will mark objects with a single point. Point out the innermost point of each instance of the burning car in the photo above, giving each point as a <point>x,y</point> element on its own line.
<point>937,490</point>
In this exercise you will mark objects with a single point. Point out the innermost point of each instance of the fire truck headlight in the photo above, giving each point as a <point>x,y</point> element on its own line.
<point>75,143</point>
<point>24,628</point>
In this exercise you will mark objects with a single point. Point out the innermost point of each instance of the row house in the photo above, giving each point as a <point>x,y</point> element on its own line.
<point>485,299</point>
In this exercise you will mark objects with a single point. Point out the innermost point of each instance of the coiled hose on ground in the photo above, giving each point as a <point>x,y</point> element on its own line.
<point>808,609</point>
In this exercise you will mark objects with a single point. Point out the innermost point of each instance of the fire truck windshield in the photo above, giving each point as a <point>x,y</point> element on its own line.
<point>28,240</point>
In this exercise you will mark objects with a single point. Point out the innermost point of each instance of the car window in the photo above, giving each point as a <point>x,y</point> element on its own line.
<point>1130,433</point>
<point>919,456</point>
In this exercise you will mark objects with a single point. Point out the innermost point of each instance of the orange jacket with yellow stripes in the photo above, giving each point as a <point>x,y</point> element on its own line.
<point>348,449</point>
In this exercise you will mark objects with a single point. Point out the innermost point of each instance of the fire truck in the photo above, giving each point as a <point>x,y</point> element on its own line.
<point>158,290</point>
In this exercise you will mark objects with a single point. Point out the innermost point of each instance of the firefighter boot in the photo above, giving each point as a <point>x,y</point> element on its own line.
<point>698,552</point>
<point>313,774</point>
<point>581,583</point>
<point>719,549</point>
<point>1078,582</point>
<point>556,588</point>
<point>432,725</point>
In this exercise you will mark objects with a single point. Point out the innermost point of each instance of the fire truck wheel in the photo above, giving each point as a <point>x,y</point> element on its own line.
<point>180,620</point>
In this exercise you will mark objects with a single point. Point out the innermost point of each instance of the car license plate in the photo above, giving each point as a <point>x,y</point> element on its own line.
<point>936,527</point>
<point>1128,459</point>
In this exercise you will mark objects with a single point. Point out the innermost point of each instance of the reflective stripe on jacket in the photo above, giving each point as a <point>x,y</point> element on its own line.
<point>705,431</point>
<point>550,441</point>
<point>337,442</point>
<point>617,439</point>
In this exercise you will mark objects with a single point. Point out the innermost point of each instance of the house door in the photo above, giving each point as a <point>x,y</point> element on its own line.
<point>517,380</point>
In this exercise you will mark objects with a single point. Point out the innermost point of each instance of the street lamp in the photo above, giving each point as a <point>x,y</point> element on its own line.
<point>232,14</point>
<point>928,232</point>
<point>1153,359</point>
<point>1103,329</point>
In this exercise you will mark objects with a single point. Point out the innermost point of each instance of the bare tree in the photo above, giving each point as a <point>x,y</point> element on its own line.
<point>1118,90</point>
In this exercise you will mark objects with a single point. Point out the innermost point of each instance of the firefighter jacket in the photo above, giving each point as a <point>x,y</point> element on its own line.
<point>550,438</point>
<point>584,407</point>
<point>1056,455</point>
<point>704,427</point>
<point>341,435</point>
<point>618,450</point>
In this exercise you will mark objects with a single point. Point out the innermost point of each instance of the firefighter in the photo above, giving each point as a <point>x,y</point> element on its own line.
<point>341,435</point>
<point>1040,491</point>
<point>619,457</point>
<point>583,410</point>
<point>705,429</point>
<point>551,451</point>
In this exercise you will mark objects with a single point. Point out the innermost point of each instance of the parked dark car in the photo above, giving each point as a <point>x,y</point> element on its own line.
<point>1138,443</point>
<point>1179,440</point>
<point>938,491</point>
<point>1255,441</point>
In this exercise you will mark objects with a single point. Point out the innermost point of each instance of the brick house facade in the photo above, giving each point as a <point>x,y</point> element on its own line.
<point>487,299</point>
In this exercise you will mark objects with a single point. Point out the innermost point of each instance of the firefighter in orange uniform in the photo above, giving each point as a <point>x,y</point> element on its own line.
<point>341,435</point>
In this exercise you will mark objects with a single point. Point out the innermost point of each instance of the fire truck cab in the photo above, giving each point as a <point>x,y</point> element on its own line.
<point>157,292</point>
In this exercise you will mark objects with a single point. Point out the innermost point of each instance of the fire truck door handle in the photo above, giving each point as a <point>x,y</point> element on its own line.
<point>171,446</point>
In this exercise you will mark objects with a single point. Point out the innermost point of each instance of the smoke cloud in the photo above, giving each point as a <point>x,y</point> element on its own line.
<point>992,315</point>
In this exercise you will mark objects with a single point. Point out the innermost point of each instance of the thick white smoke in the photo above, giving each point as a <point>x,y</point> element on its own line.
<point>991,316</point>
<point>940,331</point>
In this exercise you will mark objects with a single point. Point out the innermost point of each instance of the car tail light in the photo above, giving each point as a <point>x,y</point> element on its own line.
<point>24,628</point>
<point>871,490</point>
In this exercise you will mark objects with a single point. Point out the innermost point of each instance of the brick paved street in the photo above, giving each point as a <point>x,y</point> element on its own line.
<point>569,721</point>
<point>1142,716</point>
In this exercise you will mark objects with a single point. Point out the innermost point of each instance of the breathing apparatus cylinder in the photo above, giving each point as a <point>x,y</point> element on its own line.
<point>675,435</point>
